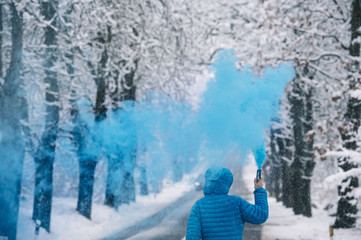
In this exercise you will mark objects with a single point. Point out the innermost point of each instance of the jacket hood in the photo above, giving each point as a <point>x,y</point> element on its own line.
<point>217,181</point>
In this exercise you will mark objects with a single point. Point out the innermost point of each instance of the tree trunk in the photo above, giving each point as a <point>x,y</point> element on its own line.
<point>178,171</point>
<point>278,164</point>
<point>114,181</point>
<point>297,110</point>
<point>286,155</point>
<point>303,164</point>
<point>87,164</point>
<point>306,198</point>
<point>13,109</point>
<point>307,154</point>
<point>120,186</point>
<point>128,185</point>
<point>297,183</point>
<point>44,157</point>
<point>128,94</point>
<point>43,187</point>
<point>355,25</point>
<point>86,183</point>
<point>143,181</point>
<point>287,187</point>
<point>83,137</point>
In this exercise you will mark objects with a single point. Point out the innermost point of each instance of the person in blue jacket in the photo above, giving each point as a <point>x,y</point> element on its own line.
<point>221,216</point>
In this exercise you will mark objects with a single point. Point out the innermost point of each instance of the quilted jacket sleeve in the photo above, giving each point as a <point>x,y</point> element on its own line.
<point>257,213</point>
<point>194,231</point>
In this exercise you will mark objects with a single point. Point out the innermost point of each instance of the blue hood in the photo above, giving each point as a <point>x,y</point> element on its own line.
<point>217,181</point>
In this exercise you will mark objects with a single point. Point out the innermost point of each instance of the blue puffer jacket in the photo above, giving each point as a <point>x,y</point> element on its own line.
<point>221,216</point>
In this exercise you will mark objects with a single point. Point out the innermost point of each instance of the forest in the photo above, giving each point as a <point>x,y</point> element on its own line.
<point>124,86</point>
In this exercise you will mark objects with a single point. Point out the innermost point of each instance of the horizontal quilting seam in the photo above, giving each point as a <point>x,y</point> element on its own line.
<point>214,206</point>
<point>218,206</point>
<point>217,212</point>
<point>214,227</point>
<point>213,221</point>
<point>218,229</point>
<point>217,216</point>
<point>223,234</point>
<point>224,231</point>
<point>224,203</point>
<point>214,211</point>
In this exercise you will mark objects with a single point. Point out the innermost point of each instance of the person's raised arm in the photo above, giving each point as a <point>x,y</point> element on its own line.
<point>256,213</point>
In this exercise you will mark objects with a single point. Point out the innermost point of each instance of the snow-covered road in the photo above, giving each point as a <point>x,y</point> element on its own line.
<point>171,222</point>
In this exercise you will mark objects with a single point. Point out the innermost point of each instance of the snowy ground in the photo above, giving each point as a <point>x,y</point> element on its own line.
<point>67,224</point>
<point>282,224</point>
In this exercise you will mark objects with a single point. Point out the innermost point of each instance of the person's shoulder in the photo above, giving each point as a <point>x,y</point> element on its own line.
<point>199,201</point>
<point>236,199</point>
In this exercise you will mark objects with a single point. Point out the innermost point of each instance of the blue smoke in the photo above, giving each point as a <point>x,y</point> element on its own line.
<point>230,123</point>
<point>170,138</point>
<point>238,106</point>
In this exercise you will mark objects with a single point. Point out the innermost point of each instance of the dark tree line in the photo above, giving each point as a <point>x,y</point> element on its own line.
<point>347,204</point>
<point>291,153</point>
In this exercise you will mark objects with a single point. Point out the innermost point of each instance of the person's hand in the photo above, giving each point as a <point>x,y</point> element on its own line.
<point>258,184</point>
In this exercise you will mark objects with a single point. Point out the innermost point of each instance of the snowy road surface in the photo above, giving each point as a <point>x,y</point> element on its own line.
<point>171,222</point>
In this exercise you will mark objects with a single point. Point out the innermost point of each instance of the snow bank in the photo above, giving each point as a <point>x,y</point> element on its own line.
<point>282,224</point>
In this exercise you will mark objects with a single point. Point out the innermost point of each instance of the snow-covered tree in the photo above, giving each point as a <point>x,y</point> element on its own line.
<point>347,203</point>
<point>13,113</point>
<point>45,154</point>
